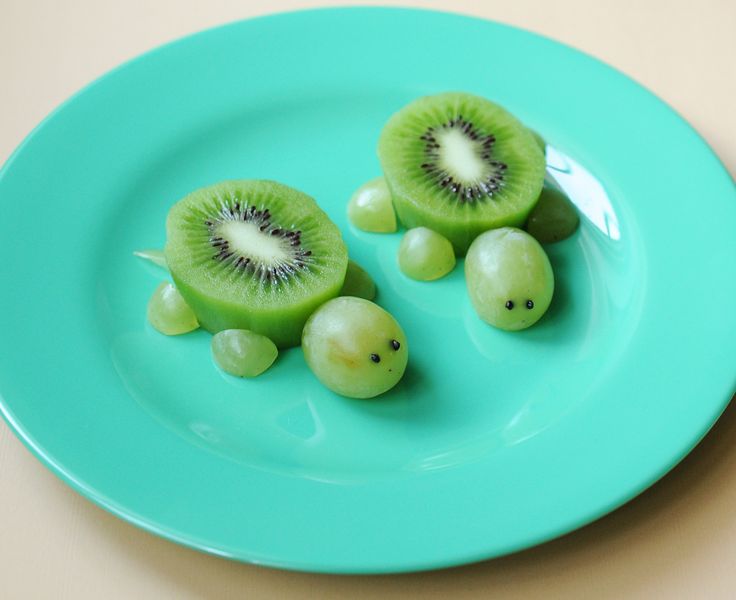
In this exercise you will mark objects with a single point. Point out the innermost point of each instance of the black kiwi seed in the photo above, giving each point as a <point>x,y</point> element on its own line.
<point>476,191</point>
<point>529,304</point>
<point>509,304</point>
<point>395,344</point>
<point>375,358</point>
<point>246,264</point>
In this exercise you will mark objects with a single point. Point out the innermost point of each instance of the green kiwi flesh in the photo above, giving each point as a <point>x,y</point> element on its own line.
<point>254,255</point>
<point>460,165</point>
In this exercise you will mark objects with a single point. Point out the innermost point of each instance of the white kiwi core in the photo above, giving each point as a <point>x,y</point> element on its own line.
<point>248,240</point>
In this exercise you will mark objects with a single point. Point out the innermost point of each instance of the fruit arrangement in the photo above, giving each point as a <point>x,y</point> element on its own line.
<point>263,268</point>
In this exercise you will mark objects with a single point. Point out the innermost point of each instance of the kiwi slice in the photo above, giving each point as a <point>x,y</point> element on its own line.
<point>254,255</point>
<point>460,165</point>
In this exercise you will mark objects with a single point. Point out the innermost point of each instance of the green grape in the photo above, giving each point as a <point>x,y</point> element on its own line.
<point>554,217</point>
<point>358,283</point>
<point>509,278</point>
<point>243,353</point>
<point>155,256</point>
<point>355,348</point>
<point>425,254</point>
<point>169,313</point>
<point>371,208</point>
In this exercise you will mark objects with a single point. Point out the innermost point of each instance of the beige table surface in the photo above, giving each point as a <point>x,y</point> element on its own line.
<point>678,540</point>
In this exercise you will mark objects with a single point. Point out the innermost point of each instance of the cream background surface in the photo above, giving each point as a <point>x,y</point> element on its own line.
<point>677,540</point>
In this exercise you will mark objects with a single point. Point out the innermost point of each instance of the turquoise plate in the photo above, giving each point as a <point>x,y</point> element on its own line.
<point>493,441</point>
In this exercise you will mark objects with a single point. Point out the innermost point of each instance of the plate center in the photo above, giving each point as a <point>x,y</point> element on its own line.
<point>470,390</point>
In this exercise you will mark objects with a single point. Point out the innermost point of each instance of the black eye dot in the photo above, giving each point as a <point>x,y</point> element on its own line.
<point>529,304</point>
<point>375,358</point>
<point>509,304</point>
<point>395,344</point>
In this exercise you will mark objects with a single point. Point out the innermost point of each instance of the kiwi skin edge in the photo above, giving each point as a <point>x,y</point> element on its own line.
<point>460,243</point>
